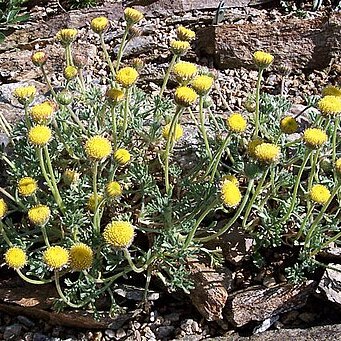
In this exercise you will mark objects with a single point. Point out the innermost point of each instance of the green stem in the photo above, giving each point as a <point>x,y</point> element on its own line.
<point>125,114</point>
<point>68,54</point>
<point>33,281</point>
<point>107,57</point>
<point>168,146</point>
<point>259,80</point>
<point>253,199</point>
<point>232,220</point>
<point>114,127</point>
<point>131,263</point>
<point>8,195</point>
<point>198,221</point>
<point>77,120</point>
<point>47,81</point>
<point>202,125</point>
<point>303,224</point>
<point>94,189</point>
<point>4,127</point>
<point>56,193</point>
<point>120,51</point>
<point>165,80</point>
<point>27,118</point>
<point>297,184</point>
<point>4,234</point>
<point>336,126</point>
<point>45,236</point>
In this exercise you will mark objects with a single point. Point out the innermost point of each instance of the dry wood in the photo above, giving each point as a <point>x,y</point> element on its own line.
<point>301,43</point>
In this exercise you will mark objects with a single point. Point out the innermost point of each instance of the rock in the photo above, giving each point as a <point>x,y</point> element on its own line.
<point>25,321</point>
<point>121,333</point>
<point>330,284</point>
<point>236,245</point>
<point>110,333</point>
<point>164,332</point>
<point>211,286</point>
<point>259,304</point>
<point>12,332</point>
<point>136,294</point>
<point>138,46</point>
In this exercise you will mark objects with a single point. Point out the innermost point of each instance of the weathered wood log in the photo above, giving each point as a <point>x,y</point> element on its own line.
<point>301,43</point>
<point>259,303</point>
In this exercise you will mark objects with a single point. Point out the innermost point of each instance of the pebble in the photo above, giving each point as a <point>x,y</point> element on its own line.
<point>120,333</point>
<point>110,333</point>
<point>12,332</point>
<point>164,331</point>
<point>25,321</point>
<point>39,337</point>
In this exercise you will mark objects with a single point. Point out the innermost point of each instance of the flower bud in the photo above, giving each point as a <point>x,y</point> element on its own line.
<point>64,97</point>
<point>39,58</point>
<point>70,72</point>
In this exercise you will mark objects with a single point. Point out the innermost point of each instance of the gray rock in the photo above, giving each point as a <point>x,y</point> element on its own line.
<point>25,321</point>
<point>39,337</point>
<point>330,284</point>
<point>110,333</point>
<point>139,45</point>
<point>164,331</point>
<point>12,332</point>
<point>121,333</point>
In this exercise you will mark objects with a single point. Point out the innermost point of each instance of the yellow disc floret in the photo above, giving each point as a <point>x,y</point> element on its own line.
<point>185,96</point>
<point>338,166</point>
<point>92,202</point>
<point>70,72</point>
<point>99,25</point>
<point>185,34</point>
<point>319,194</point>
<point>15,258</point>
<point>3,208</point>
<point>39,135</point>
<point>251,146</point>
<point>113,189</point>
<point>81,257</point>
<point>262,59</point>
<point>331,90</point>
<point>236,123</point>
<point>42,112</point>
<point>314,137</point>
<point>25,94</point>
<point>179,47</point>
<point>66,36</point>
<point>178,132</point>
<point>98,147</point>
<point>39,214</point>
<point>267,152</point>
<point>115,95</point>
<point>132,16</point>
<point>27,186</point>
<point>231,178</point>
<point>330,105</point>
<point>119,234</point>
<point>202,84</point>
<point>289,125</point>
<point>39,58</point>
<point>127,76</point>
<point>56,257</point>
<point>184,71</point>
<point>122,156</point>
<point>230,194</point>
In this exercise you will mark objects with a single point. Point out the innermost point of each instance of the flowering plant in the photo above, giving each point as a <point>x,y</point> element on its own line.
<point>96,186</point>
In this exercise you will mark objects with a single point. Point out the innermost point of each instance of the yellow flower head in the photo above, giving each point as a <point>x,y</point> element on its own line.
<point>132,16</point>
<point>56,257</point>
<point>27,186</point>
<point>119,234</point>
<point>262,59</point>
<point>184,71</point>
<point>127,76</point>
<point>39,135</point>
<point>267,152</point>
<point>70,72</point>
<point>25,94</point>
<point>98,147</point>
<point>15,258</point>
<point>338,166</point>
<point>185,34</point>
<point>185,96</point>
<point>39,214</point>
<point>177,133</point>
<point>99,25</point>
<point>39,58</point>
<point>70,177</point>
<point>3,208</point>
<point>289,125</point>
<point>230,194</point>
<point>91,202</point>
<point>42,112</point>
<point>66,36</point>
<point>113,189</point>
<point>331,90</point>
<point>319,194</point>
<point>122,156</point>
<point>202,84</point>
<point>81,257</point>
<point>236,123</point>
<point>231,178</point>
<point>115,95</point>
<point>314,137</point>
<point>330,105</point>
<point>251,146</point>
<point>179,48</point>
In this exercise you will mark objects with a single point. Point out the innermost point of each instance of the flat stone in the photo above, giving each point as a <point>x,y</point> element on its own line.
<point>330,284</point>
